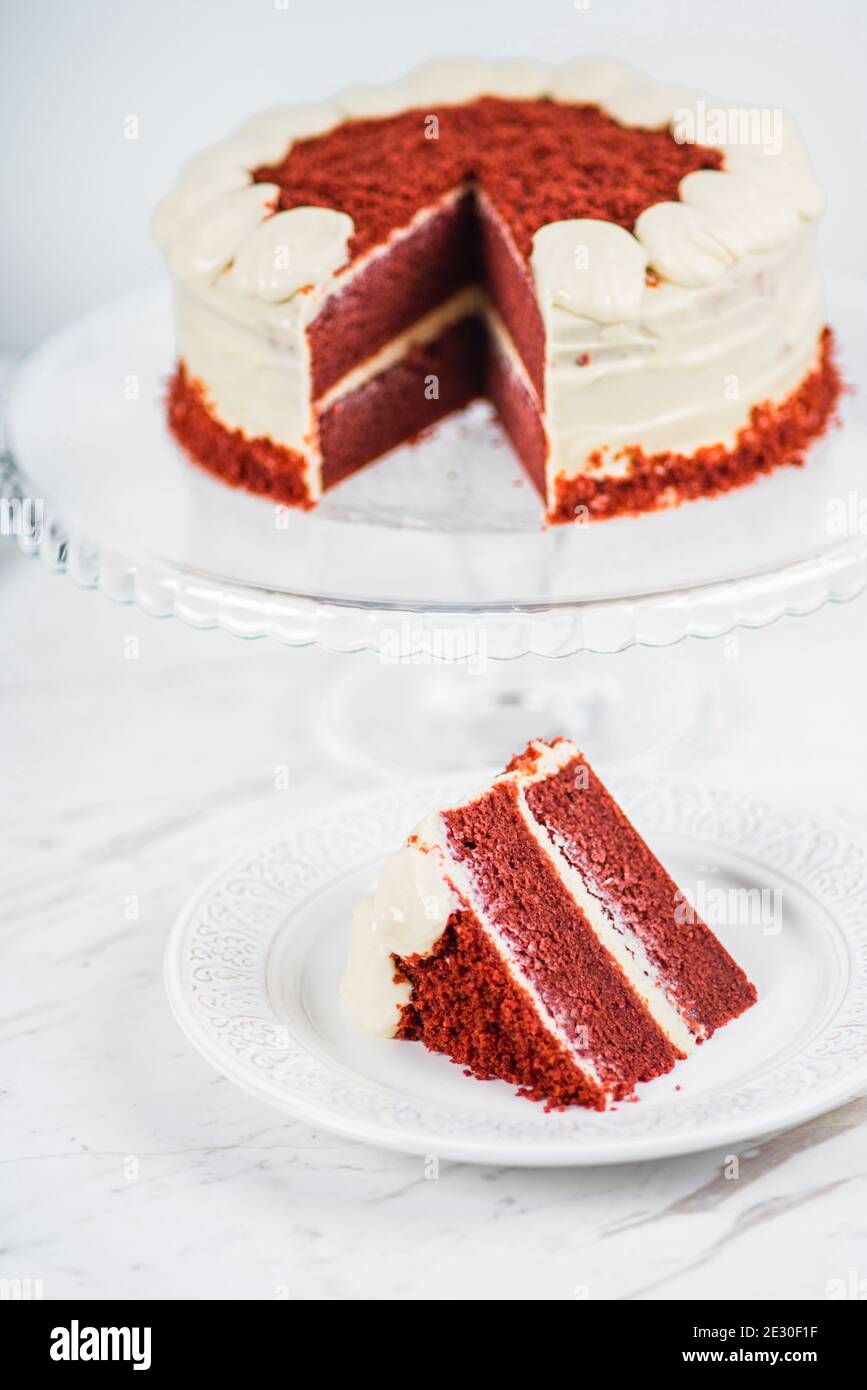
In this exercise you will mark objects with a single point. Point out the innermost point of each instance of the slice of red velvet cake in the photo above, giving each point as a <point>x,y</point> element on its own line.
<point>531,935</point>
<point>626,270</point>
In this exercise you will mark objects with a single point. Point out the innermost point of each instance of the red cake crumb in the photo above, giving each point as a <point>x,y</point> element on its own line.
<point>257,464</point>
<point>536,161</point>
<point>464,1004</point>
<point>776,436</point>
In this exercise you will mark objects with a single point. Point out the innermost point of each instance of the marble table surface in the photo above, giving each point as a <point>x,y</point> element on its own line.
<point>136,754</point>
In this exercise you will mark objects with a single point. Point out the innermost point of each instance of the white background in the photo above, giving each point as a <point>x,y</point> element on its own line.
<point>77,194</point>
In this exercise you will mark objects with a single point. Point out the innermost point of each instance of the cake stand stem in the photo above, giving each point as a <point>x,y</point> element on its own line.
<point>638,708</point>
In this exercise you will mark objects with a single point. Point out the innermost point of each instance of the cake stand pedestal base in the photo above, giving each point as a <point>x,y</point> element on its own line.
<point>640,709</point>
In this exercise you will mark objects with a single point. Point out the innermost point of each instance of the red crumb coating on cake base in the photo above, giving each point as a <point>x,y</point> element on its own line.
<point>555,949</point>
<point>259,465</point>
<point>596,838</point>
<point>465,1005</point>
<point>777,435</point>
<point>392,408</point>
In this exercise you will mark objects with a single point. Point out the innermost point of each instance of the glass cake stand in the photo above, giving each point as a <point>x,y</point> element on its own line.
<point>437,560</point>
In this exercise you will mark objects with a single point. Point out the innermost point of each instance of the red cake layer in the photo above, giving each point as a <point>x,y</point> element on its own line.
<point>559,954</point>
<point>519,413</point>
<point>510,288</point>
<point>392,292</point>
<point>465,1005</point>
<point>777,435</point>
<point>397,404</point>
<point>617,867</point>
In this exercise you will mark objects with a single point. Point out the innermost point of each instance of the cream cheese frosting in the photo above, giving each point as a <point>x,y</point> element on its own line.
<point>734,321</point>
<point>594,269</point>
<point>291,250</point>
<point>680,245</point>
<point>687,371</point>
<point>209,239</point>
<point>406,916</point>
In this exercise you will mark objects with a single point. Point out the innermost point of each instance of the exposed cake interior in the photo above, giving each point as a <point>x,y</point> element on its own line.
<point>416,188</point>
<point>457,205</point>
<point>438,301</point>
<point>531,935</point>
<point>620,872</point>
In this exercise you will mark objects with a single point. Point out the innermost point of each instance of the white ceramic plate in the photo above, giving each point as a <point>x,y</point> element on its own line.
<point>254,962</point>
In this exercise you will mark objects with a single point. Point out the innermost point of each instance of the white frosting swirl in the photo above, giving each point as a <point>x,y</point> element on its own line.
<point>209,239</point>
<point>303,246</point>
<point>737,213</point>
<point>652,104</point>
<point>208,163</point>
<point>593,79</point>
<point>595,269</point>
<point>269,135</point>
<point>521,78</point>
<point>368,100</point>
<point>406,916</point>
<point>787,181</point>
<point>680,245</point>
<point>451,81</point>
<point>189,198</point>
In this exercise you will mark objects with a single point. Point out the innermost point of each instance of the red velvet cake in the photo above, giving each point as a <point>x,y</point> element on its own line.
<point>531,935</point>
<point>625,270</point>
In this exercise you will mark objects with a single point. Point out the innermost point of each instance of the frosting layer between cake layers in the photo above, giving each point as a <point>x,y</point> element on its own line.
<point>646,292</point>
<point>536,910</point>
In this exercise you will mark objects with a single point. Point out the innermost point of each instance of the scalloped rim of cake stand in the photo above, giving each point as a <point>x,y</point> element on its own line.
<point>603,626</point>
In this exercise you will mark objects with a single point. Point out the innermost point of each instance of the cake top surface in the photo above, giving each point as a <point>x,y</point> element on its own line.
<point>599,172</point>
<point>537,162</point>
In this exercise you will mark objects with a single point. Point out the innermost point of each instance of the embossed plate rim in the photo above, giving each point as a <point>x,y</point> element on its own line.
<point>304,1083</point>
